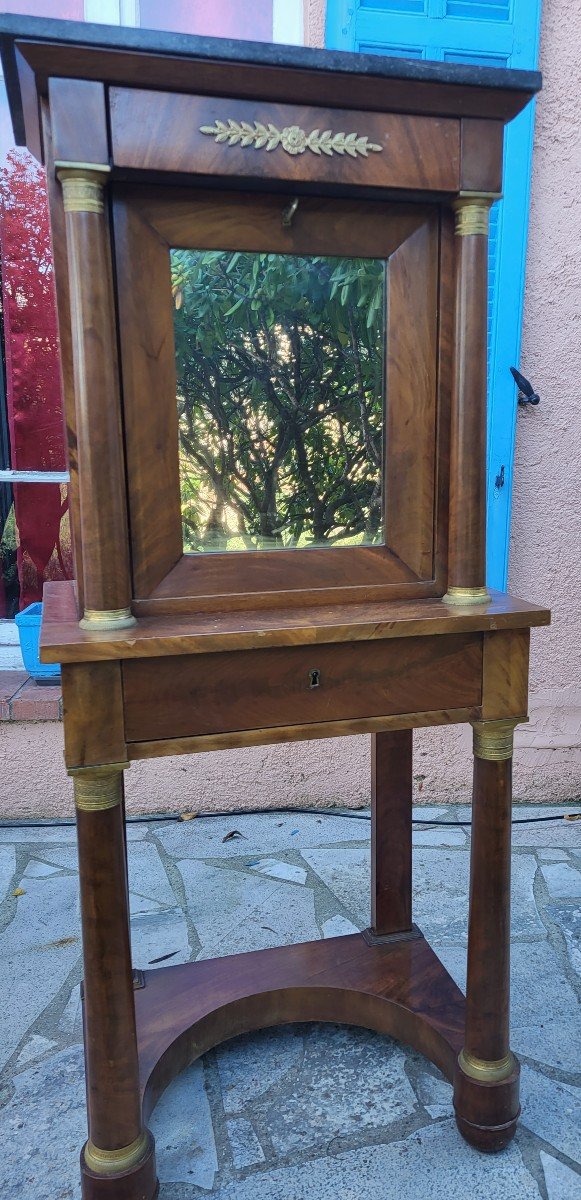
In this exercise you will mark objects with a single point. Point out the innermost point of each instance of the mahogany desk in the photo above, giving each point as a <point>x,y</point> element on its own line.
<point>289,550</point>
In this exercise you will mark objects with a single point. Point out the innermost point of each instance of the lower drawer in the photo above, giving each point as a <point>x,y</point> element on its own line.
<point>299,685</point>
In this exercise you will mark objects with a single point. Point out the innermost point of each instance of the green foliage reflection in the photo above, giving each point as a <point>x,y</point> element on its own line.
<point>280,399</point>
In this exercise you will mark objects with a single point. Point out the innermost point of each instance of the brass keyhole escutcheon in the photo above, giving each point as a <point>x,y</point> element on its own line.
<point>314,679</point>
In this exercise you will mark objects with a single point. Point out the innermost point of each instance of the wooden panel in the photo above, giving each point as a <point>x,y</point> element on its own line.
<point>401,990</point>
<point>155,132</point>
<point>410,441</point>
<point>505,674</point>
<point>370,82</point>
<point>93,714</point>
<point>63,640</point>
<point>247,690</point>
<point>149,391</point>
<point>79,120</point>
<point>218,220</point>
<point>283,734</point>
<point>482,144</point>
<point>218,582</point>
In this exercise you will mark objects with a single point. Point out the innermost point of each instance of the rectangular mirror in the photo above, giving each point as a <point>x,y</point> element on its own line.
<point>280,363</point>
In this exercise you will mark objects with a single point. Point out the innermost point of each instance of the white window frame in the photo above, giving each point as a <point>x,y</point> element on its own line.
<point>112,12</point>
<point>288,24</point>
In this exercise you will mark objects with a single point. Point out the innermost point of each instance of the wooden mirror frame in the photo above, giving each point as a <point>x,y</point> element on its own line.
<point>417,240</point>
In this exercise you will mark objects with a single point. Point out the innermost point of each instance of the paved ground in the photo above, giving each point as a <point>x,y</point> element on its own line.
<point>308,1111</point>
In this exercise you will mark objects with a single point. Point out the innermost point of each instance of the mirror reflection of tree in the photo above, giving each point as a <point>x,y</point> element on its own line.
<point>280,399</point>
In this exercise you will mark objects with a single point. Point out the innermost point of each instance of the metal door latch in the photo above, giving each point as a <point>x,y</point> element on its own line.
<point>526,392</point>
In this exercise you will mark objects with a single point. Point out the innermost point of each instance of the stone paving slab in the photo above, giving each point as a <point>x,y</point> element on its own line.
<point>428,1162</point>
<point>324,1112</point>
<point>562,1183</point>
<point>58,835</point>
<point>7,869</point>
<point>40,945</point>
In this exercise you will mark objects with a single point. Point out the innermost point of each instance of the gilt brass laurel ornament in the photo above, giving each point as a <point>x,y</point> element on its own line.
<point>292,138</point>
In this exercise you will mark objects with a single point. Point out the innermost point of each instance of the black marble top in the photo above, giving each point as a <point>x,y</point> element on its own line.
<point>259,53</point>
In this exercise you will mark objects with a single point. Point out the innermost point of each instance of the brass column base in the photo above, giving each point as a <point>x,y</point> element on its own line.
<point>486,1072</point>
<point>128,1178</point>
<point>114,618</point>
<point>113,1162</point>
<point>466,595</point>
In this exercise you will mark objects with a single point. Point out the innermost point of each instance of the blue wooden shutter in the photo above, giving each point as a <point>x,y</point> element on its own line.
<point>494,33</point>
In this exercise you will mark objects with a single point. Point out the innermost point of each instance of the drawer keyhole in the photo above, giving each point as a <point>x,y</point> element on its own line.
<point>314,679</point>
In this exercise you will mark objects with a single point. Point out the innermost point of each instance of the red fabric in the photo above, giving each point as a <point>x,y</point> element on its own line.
<point>34,398</point>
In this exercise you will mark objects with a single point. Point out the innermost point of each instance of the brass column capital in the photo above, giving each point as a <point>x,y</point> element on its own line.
<point>493,740</point>
<point>82,185</point>
<point>473,214</point>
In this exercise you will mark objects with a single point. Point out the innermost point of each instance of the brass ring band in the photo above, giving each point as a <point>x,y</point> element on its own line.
<point>494,740</point>
<point>472,216</point>
<point>486,1072</point>
<point>113,1162</point>
<point>97,794</point>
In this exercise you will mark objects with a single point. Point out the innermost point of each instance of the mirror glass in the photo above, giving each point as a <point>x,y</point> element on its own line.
<point>280,395</point>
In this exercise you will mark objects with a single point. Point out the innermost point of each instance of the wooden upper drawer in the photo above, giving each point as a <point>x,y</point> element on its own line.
<point>158,131</point>
<point>257,689</point>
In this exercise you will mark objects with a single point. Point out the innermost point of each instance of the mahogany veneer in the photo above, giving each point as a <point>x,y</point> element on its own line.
<point>185,652</point>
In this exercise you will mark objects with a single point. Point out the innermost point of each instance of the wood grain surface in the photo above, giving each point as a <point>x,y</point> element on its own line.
<point>252,689</point>
<point>63,641</point>
<point>391,832</point>
<point>401,990</point>
<point>467,540</point>
<point>162,133</point>
<point>78,115</point>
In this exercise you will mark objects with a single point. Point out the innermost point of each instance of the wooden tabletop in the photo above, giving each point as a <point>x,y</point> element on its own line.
<point>62,639</point>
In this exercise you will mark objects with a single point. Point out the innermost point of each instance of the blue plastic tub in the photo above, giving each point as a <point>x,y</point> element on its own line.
<point>28,622</point>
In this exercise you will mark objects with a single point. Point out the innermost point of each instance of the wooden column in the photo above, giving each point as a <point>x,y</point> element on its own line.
<point>467,530</point>
<point>486,1086</point>
<point>391,833</point>
<point>106,577</point>
<point>119,1149</point>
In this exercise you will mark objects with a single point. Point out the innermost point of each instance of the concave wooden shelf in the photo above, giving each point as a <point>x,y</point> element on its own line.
<point>400,989</point>
<point>62,640</point>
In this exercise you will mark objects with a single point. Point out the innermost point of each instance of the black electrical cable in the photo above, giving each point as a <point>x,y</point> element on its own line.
<point>348,814</point>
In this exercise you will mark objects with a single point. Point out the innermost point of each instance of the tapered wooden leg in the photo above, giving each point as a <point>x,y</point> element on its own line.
<point>486,1092</point>
<point>391,833</point>
<point>117,1161</point>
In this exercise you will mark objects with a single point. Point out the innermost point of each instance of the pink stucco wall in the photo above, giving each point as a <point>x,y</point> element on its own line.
<point>546,525</point>
<point>545,551</point>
